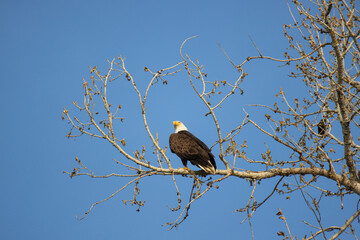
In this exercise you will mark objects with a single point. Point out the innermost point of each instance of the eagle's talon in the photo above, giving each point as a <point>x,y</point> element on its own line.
<point>185,168</point>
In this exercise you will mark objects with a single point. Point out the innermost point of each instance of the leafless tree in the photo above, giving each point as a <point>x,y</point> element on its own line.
<point>320,130</point>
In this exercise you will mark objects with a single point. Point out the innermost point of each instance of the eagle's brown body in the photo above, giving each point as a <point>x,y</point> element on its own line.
<point>189,148</point>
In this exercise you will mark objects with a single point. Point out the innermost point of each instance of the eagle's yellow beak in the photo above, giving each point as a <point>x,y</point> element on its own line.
<point>176,123</point>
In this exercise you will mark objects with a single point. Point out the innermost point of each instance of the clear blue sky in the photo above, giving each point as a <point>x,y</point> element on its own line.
<point>46,48</point>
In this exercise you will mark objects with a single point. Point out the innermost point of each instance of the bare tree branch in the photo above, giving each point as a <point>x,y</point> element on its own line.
<point>323,53</point>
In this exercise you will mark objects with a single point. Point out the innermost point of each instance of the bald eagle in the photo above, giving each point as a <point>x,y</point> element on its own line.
<point>188,147</point>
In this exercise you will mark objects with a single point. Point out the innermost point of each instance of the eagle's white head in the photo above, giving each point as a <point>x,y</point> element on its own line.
<point>179,126</point>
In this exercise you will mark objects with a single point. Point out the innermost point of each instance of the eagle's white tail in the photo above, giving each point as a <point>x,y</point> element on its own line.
<point>208,169</point>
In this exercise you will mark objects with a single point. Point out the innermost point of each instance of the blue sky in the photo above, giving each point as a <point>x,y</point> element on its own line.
<point>46,48</point>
